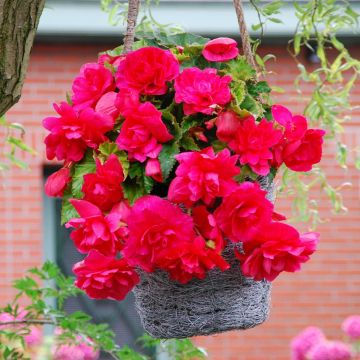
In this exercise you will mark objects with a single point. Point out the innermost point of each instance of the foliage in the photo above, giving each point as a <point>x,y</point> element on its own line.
<point>331,81</point>
<point>43,285</point>
<point>13,144</point>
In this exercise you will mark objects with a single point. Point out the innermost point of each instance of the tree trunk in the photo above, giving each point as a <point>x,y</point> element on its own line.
<point>18,23</point>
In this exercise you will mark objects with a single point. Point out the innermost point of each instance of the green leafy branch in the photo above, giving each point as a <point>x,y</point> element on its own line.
<point>332,81</point>
<point>13,143</point>
<point>46,283</point>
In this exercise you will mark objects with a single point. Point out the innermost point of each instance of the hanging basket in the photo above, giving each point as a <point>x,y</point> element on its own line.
<point>223,301</point>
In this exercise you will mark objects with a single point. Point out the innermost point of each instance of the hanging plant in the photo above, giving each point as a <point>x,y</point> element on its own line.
<point>170,151</point>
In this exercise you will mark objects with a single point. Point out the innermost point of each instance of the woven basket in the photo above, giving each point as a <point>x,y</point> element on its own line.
<point>221,302</point>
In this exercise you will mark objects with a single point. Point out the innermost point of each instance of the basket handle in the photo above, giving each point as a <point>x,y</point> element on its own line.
<point>245,39</point>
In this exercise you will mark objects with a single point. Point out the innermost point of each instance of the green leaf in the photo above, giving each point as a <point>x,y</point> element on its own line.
<point>240,69</point>
<point>136,170</point>
<point>238,90</point>
<point>17,162</point>
<point>137,184</point>
<point>17,126</point>
<point>277,89</point>
<point>161,38</point>
<point>257,27</point>
<point>25,284</point>
<point>341,154</point>
<point>188,143</point>
<point>258,88</point>
<point>68,99</point>
<point>190,122</point>
<point>170,119</point>
<point>275,20</point>
<point>126,353</point>
<point>67,210</point>
<point>148,184</point>
<point>167,159</point>
<point>132,190</point>
<point>108,148</point>
<point>297,43</point>
<point>251,105</point>
<point>86,166</point>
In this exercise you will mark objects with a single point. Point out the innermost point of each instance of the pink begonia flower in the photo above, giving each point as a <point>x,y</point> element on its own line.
<point>112,60</point>
<point>191,259</point>
<point>34,338</point>
<point>303,154</point>
<point>143,132</point>
<point>203,175</point>
<point>105,277</point>
<point>82,350</point>
<point>107,105</point>
<point>57,182</point>
<point>351,327</point>
<point>96,231</point>
<point>153,169</point>
<point>228,124</point>
<point>202,90</point>
<point>147,70</point>
<point>253,142</point>
<point>68,352</point>
<point>300,148</point>
<point>294,126</point>
<point>275,248</point>
<point>103,188</point>
<point>330,350</point>
<point>155,225</point>
<point>220,49</point>
<point>205,224</point>
<point>243,212</point>
<point>302,343</point>
<point>127,101</point>
<point>93,81</point>
<point>72,132</point>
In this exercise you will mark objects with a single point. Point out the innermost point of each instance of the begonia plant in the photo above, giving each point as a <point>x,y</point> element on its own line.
<point>164,151</point>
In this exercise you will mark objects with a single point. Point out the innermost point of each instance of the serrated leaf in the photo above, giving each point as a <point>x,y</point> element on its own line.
<point>240,69</point>
<point>170,119</point>
<point>167,158</point>
<point>238,90</point>
<point>188,123</point>
<point>188,143</point>
<point>148,184</point>
<point>67,210</point>
<point>251,105</point>
<point>86,166</point>
<point>132,190</point>
<point>136,170</point>
<point>108,148</point>
<point>258,88</point>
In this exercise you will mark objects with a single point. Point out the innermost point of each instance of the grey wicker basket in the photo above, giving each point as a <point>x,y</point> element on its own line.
<point>221,302</point>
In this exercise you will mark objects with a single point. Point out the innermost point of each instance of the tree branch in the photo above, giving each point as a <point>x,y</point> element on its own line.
<point>18,23</point>
<point>28,322</point>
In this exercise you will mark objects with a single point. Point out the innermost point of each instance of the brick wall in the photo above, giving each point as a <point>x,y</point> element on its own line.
<point>324,293</point>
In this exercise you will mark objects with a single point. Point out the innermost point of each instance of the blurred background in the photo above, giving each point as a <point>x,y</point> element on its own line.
<point>74,32</point>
